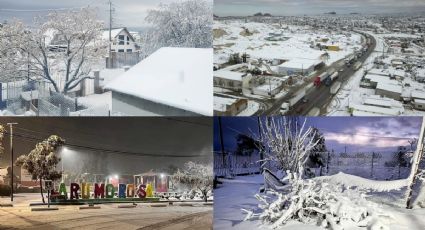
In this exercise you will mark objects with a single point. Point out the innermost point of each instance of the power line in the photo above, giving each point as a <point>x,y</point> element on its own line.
<point>97,149</point>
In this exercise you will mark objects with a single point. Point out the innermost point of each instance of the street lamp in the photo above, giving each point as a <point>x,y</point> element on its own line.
<point>11,159</point>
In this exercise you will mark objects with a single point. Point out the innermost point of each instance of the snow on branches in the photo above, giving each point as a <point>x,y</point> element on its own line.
<point>284,143</point>
<point>315,202</point>
<point>180,24</point>
<point>60,48</point>
<point>196,176</point>
<point>41,162</point>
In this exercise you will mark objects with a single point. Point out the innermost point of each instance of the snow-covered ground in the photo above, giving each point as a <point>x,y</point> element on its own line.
<point>292,41</point>
<point>386,202</point>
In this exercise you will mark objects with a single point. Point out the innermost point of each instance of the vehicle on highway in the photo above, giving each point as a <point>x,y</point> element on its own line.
<point>314,112</point>
<point>284,109</point>
<point>331,78</point>
<point>319,79</point>
<point>335,87</point>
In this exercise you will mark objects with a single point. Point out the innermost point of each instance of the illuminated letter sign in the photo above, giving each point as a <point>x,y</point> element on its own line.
<point>110,191</point>
<point>99,190</point>
<point>130,190</point>
<point>74,190</point>
<point>62,190</point>
<point>85,191</point>
<point>121,190</point>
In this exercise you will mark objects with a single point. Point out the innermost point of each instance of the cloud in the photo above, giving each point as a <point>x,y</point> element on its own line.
<point>381,133</point>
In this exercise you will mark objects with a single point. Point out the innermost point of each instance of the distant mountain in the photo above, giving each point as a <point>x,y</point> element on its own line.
<point>259,14</point>
<point>333,13</point>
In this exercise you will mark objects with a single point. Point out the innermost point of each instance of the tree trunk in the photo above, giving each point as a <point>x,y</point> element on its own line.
<point>41,191</point>
<point>205,195</point>
<point>415,166</point>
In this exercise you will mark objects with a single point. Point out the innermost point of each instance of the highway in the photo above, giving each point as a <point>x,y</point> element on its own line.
<point>318,97</point>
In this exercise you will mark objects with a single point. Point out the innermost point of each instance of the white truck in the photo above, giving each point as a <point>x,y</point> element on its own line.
<point>284,108</point>
<point>314,112</point>
<point>335,87</point>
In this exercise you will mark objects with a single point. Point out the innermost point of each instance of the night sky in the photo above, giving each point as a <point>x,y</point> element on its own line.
<point>314,7</point>
<point>363,134</point>
<point>132,137</point>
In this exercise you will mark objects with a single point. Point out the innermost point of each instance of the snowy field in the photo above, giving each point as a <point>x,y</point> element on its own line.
<point>385,203</point>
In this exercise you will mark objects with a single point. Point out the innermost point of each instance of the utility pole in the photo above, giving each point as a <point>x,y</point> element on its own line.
<point>221,143</point>
<point>110,33</point>
<point>11,158</point>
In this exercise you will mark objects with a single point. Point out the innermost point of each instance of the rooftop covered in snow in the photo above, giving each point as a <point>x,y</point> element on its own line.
<point>177,77</point>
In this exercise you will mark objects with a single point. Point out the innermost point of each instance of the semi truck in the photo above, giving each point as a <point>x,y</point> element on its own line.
<point>335,87</point>
<point>314,112</point>
<point>331,78</point>
<point>319,79</point>
<point>286,106</point>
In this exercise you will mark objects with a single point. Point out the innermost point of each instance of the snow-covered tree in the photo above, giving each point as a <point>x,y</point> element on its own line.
<point>41,162</point>
<point>13,63</point>
<point>61,48</point>
<point>285,144</point>
<point>317,156</point>
<point>185,23</point>
<point>196,176</point>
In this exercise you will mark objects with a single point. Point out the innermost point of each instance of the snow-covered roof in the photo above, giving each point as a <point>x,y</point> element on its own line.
<point>376,110</point>
<point>418,94</point>
<point>419,101</point>
<point>220,103</point>
<point>178,77</point>
<point>299,63</point>
<point>230,75</point>
<point>379,78</point>
<point>389,87</point>
<point>378,102</point>
<point>114,33</point>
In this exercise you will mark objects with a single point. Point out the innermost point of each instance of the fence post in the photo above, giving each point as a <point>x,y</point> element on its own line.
<point>371,172</point>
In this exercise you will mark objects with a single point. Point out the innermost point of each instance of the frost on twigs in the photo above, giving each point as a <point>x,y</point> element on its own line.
<point>313,202</point>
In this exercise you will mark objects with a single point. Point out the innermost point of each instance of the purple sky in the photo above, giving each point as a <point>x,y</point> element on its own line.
<point>356,133</point>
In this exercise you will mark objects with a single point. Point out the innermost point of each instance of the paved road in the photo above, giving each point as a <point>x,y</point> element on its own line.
<point>108,217</point>
<point>318,97</point>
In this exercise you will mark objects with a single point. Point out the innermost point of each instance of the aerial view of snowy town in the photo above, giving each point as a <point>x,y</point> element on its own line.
<point>106,58</point>
<point>319,173</point>
<point>333,58</point>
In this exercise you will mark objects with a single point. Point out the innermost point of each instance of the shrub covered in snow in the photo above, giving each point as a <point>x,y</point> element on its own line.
<point>316,202</point>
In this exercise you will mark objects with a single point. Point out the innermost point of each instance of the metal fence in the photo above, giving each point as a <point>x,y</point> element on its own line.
<point>366,165</point>
<point>233,165</point>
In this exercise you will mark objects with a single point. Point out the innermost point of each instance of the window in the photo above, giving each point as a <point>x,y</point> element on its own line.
<point>121,50</point>
<point>121,39</point>
<point>129,50</point>
<point>128,40</point>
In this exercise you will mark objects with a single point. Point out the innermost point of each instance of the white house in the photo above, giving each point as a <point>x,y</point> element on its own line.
<point>170,82</point>
<point>122,40</point>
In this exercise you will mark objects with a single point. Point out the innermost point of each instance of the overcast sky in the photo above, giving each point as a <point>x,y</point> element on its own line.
<point>134,136</point>
<point>129,13</point>
<point>363,134</point>
<point>301,7</point>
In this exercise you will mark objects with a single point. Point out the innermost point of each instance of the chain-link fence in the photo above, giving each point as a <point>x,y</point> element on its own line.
<point>366,165</point>
<point>232,164</point>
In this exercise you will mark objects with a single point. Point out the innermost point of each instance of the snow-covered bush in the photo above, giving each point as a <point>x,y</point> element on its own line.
<point>315,202</point>
<point>286,144</point>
